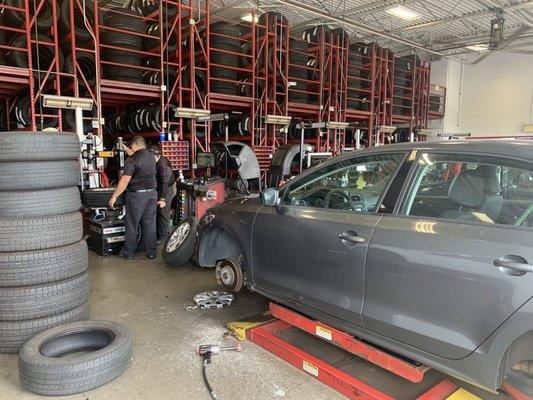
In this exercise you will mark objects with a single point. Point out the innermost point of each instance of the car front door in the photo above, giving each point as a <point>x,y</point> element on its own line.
<point>449,268</point>
<point>311,248</point>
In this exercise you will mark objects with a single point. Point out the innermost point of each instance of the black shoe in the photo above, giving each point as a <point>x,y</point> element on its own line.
<point>150,256</point>
<point>125,257</point>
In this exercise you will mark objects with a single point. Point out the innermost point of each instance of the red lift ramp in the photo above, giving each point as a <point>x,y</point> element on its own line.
<point>372,374</point>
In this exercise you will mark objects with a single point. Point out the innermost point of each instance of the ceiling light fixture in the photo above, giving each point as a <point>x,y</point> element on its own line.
<point>478,47</point>
<point>249,17</point>
<point>403,13</point>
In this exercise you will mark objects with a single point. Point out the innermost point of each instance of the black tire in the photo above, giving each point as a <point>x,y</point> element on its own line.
<point>38,175</point>
<point>25,234</point>
<point>42,370</point>
<point>82,34</point>
<point>17,18</point>
<point>177,254</point>
<point>37,203</point>
<point>100,197</point>
<point>38,301</point>
<point>13,334</point>
<point>38,146</point>
<point>42,266</point>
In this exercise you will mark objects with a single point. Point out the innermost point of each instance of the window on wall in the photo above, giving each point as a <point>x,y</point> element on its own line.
<point>355,184</point>
<point>480,189</point>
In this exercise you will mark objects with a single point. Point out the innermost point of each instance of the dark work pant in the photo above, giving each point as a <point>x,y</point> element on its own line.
<point>140,210</point>
<point>163,214</point>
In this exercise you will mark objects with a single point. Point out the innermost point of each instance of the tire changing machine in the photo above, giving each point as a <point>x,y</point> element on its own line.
<point>272,335</point>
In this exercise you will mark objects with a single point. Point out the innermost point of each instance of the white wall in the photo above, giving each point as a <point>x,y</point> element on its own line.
<point>492,98</point>
<point>498,95</point>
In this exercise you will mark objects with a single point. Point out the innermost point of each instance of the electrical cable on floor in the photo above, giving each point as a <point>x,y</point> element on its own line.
<point>207,360</point>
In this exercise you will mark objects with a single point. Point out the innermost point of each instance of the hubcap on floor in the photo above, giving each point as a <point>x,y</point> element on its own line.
<point>178,236</point>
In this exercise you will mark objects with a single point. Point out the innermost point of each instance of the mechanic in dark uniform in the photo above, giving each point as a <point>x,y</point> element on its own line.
<point>139,180</point>
<point>166,190</point>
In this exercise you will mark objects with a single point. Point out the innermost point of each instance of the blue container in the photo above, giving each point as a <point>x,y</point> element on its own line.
<point>162,137</point>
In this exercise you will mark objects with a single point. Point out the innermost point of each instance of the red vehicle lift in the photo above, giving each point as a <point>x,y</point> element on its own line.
<point>267,335</point>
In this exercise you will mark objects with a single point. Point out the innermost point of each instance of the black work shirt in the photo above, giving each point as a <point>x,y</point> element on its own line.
<point>141,167</point>
<point>165,176</point>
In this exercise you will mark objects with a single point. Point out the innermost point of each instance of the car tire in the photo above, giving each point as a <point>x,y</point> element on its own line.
<point>43,371</point>
<point>180,244</point>
<point>39,301</point>
<point>99,198</point>
<point>25,234</point>
<point>13,334</point>
<point>43,266</point>
<point>39,146</point>
<point>38,203</point>
<point>38,175</point>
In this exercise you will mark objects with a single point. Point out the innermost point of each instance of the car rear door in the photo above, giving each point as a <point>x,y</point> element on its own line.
<point>442,275</point>
<point>311,249</point>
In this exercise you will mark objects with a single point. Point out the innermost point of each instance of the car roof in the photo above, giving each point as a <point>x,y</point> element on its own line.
<point>505,148</point>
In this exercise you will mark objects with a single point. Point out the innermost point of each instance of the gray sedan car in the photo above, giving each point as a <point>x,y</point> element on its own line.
<point>425,249</point>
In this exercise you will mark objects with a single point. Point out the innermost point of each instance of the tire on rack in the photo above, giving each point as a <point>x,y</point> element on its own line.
<point>17,19</point>
<point>38,146</point>
<point>82,34</point>
<point>42,370</point>
<point>37,203</point>
<point>43,266</point>
<point>39,301</point>
<point>181,243</point>
<point>93,198</point>
<point>13,334</point>
<point>38,175</point>
<point>38,233</point>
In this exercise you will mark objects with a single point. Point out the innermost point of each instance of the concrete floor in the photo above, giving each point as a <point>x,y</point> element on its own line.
<point>154,302</point>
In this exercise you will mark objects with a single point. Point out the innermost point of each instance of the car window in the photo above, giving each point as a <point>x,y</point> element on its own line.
<point>354,184</point>
<point>480,189</point>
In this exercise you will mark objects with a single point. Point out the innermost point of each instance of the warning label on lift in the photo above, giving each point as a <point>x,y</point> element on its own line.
<point>323,333</point>
<point>310,367</point>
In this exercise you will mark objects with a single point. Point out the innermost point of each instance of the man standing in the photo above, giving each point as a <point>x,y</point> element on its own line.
<point>139,180</point>
<point>166,190</point>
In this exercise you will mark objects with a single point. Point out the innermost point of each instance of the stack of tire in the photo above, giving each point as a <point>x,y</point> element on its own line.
<point>144,118</point>
<point>224,40</point>
<point>402,82</point>
<point>358,77</point>
<point>128,20</point>
<point>297,70</point>
<point>43,257</point>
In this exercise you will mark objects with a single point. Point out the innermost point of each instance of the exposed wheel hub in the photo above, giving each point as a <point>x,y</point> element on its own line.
<point>229,275</point>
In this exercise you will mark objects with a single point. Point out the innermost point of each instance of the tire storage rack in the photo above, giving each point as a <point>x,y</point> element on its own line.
<point>43,256</point>
<point>143,63</point>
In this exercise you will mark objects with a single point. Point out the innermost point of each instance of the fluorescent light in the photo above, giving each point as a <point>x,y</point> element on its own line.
<point>478,47</point>
<point>249,17</point>
<point>403,13</point>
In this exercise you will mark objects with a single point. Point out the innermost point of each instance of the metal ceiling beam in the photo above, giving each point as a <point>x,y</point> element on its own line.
<point>430,24</point>
<point>512,10</point>
<point>361,27</point>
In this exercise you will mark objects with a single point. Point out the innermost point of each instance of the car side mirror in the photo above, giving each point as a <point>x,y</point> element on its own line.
<point>270,196</point>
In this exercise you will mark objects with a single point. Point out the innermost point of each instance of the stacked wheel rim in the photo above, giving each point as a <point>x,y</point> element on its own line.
<point>43,258</point>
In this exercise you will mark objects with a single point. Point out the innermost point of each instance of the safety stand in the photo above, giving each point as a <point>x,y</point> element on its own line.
<point>267,335</point>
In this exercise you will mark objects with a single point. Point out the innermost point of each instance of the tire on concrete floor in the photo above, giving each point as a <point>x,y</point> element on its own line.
<point>38,146</point>
<point>43,371</point>
<point>13,334</point>
<point>26,268</point>
<point>39,301</point>
<point>37,233</point>
<point>38,175</point>
<point>181,243</point>
<point>37,203</point>
<point>100,197</point>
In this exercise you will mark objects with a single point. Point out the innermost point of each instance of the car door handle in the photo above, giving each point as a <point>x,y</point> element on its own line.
<point>514,265</point>
<point>351,237</point>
